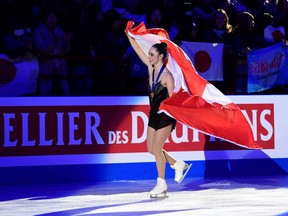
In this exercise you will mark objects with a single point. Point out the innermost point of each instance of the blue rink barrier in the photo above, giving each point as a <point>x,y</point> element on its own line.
<point>139,171</point>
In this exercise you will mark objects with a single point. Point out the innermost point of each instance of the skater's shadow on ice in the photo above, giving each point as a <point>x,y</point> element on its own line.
<point>258,183</point>
<point>253,169</point>
<point>53,191</point>
<point>111,213</point>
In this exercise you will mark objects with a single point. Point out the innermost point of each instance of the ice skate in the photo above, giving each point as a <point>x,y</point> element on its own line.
<point>181,170</point>
<point>160,190</point>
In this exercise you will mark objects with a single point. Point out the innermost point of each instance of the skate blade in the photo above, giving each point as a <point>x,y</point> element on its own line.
<point>159,196</point>
<point>185,173</point>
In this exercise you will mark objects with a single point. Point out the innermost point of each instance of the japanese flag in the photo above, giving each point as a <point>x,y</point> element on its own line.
<point>17,77</point>
<point>274,34</point>
<point>207,59</point>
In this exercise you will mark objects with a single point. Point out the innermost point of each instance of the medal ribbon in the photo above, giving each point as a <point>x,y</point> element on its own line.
<point>158,76</point>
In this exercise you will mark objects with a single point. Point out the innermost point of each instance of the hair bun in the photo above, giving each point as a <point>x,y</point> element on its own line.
<point>161,48</point>
<point>164,44</point>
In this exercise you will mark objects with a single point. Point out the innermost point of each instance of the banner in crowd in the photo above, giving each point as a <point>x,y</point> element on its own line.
<point>207,59</point>
<point>267,68</point>
<point>18,77</point>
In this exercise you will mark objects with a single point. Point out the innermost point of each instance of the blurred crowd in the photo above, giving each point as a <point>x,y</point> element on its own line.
<point>82,49</point>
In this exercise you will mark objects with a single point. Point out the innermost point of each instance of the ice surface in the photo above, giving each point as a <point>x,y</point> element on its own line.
<point>230,196</point>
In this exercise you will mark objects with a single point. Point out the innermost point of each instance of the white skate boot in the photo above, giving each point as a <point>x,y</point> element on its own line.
<point>179,167</point>
<point>160,190</point>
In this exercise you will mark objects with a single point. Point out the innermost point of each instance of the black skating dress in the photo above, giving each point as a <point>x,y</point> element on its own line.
<point>156,120</point>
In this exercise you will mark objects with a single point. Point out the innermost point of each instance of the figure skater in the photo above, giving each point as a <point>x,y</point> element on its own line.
<point>160,125</point>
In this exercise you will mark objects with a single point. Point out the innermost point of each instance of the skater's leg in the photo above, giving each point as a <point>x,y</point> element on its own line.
<point>181,169</point>
<point>160,189</point>
<point>179,166</point>
<point>155,142</point>
<point>159,138</point>
<point>149,140</point>
<point>155,147</point>
<point>151,133</point>
<point>168,157</point>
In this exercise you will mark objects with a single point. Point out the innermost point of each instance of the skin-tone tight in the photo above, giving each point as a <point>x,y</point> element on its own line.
<point>155,142</point>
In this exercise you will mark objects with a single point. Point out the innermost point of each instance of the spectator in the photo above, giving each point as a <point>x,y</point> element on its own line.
<point>52,43</point>
<point>258,8</point>
<point>147,5</point>
<point>172,17</point>
<point>80,65</point>
<point>17,42</point>
<point>203,13</point>
<point>239,6</point>
<point>154,18</point>
<point>221,32</point>
<point>231,8</point>
<point>281,15</point>
<point>131,6</point>
<point>271,31</point>
<point>190,32</point>
<point>244,38</point>
<point>114,45</point>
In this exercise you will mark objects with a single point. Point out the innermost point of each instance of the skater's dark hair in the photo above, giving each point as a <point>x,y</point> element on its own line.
<point>162,49</point>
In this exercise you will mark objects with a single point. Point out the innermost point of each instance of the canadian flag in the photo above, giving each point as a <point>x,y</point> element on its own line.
<point>195,102</point>
<point>207,58</point>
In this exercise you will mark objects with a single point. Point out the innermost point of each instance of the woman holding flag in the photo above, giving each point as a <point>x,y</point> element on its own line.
<point>190,100</point>
<point>160,125</point>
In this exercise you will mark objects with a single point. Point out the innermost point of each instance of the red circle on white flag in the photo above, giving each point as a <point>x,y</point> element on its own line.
<point>202,61</point>
<point>7,71</point>
<point>278,36</point>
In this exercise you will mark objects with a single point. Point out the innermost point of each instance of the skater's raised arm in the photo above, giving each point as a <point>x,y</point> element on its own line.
<point>138,50</point>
